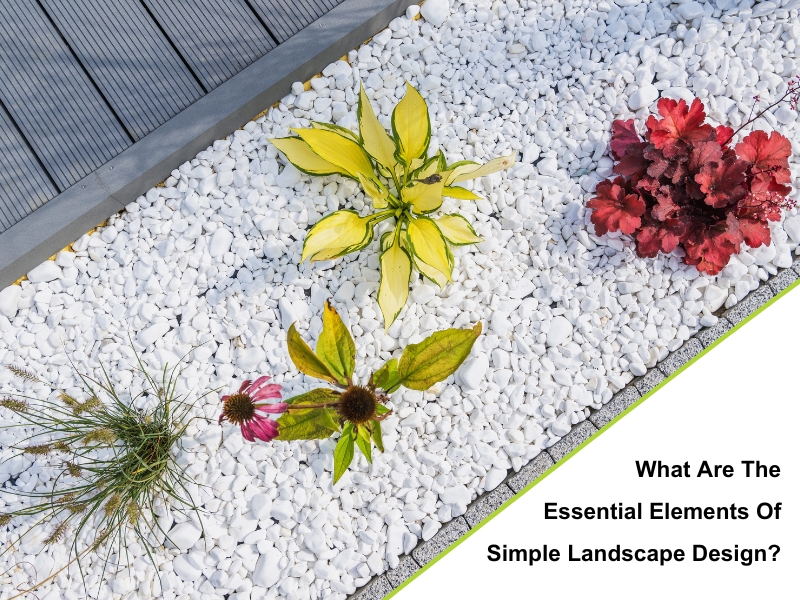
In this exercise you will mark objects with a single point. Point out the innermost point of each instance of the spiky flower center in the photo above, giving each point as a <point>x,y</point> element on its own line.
<point>357,404</point>
<point>239,408</point>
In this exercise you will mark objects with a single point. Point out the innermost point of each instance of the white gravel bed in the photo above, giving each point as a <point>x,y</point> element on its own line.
<point>569,318</point>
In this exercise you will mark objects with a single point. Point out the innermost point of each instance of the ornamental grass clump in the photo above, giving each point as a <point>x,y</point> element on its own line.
<point>353,409</point>
<point>404,184</point>
<point>114,464</point>
<point>686,185</point>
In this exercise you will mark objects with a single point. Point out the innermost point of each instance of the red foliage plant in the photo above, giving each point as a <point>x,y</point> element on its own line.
<point>684,185</point>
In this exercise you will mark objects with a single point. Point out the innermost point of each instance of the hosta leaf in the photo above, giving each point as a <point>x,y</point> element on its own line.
<point>431,167</point>
<point>338,150</point>
<point>343,453</point>
<point>337,234</point>
<point>460,193</point>
<point>424,197</point>
<point>494,165</point>
<point>387,378</point>
<point>436,357</point>
<point>304,158</point>
<point>316,396</point>
<point>411,126</point>
<point>335,129</point>
<point>429,245</point>
<point>457,230</point>
<point>364,442</point>
<point>374,137</point>
<point>378,194</point>
<point>393,289</point>
<point>335,346</point>
<point>310,424</point>
<point>377,436</point>
<point>304,358</point>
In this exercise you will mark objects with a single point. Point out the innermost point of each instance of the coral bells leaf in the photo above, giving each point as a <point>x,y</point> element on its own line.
<point>722,182</point>
<point>624,134</point>
<point>680,126</point>
<point>724,134</point>
<point>657,237</point>
<point>633,163</point>
<point>767,153</point>
<point>755,232</point>
<point>615,208</point>
<point>710,248</point>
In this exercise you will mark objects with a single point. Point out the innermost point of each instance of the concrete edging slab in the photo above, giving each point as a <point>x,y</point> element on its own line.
<point>149,161</point>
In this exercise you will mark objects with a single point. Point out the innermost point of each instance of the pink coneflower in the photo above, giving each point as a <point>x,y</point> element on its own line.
<point>241,409</point>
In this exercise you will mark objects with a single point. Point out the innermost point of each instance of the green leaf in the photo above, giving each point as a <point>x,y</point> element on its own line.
<point>330,419</point>
<point>381,410</point>
<point>335,346</point>
<point>387,378</point>
<point>308,424</point>
<point>316,396</point>
<point>436,357</point>
<point>304,358</point>
<point>377,436</point>
<point>343,453</point>
<point>364,443</point>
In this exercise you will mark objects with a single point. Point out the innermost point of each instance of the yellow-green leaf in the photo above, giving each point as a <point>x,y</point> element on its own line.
<point>386,378</point>
<point>494,165</point>
<point>338,150</point>
<point>336,129</point>
<point>393,289</point>
<point>377,436</point>
<point>436,357</point>
<point>304,158</point>
<point>430,273</point>
<point>337,234</point>
<point>429,245</point>
<point>304,358</point>
<point>411,126</point>
<point>429,168</point>
<point>424,197</point>
<point>457,230</point>
<point>335,346</point>
<point>379,195</point>
<point>374,137</point>
<point>315,396</point>
<point>344,452</point>
<point>308,424</point>
<point>364,443</point>
<point>460,193</point>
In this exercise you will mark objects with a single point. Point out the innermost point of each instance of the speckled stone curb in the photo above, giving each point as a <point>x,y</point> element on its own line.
<point>486,504</point>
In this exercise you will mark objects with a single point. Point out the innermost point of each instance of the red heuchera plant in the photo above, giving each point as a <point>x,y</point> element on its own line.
<point>684,185</point>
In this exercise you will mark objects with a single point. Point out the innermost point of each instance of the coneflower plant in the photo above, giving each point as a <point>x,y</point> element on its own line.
<point>114,464</point>
<point>353,409</point>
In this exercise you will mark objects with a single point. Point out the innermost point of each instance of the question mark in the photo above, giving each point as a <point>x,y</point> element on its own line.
<point>777,549</point>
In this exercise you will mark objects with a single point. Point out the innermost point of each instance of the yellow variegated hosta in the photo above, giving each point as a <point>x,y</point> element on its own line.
<point>404,184</point>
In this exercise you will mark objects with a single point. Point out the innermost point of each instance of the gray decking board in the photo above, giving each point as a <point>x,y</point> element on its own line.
<point>287,18</point>
<point>24,186</point>
<point>217,38</point>
<point>55,105</point>
<point>109,188</point>
<point>140,74</point>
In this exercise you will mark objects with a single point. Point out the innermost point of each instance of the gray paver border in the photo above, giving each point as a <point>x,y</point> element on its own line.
<point>149,161</point>
<point>487,505</point>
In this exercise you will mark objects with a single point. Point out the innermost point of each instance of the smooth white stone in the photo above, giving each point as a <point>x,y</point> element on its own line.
<point>472,372</point>
<point>643,96</point>
<point>184,535</point>
<point>220,242</point>
<point>435,11</point>
<point>47,271</point>
<point>268,571</point>
<point>560,330</point>
<point>9,301</point>
<point>155,332</point>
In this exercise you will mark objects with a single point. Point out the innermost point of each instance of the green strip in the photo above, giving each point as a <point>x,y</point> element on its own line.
<point>602,430</point>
